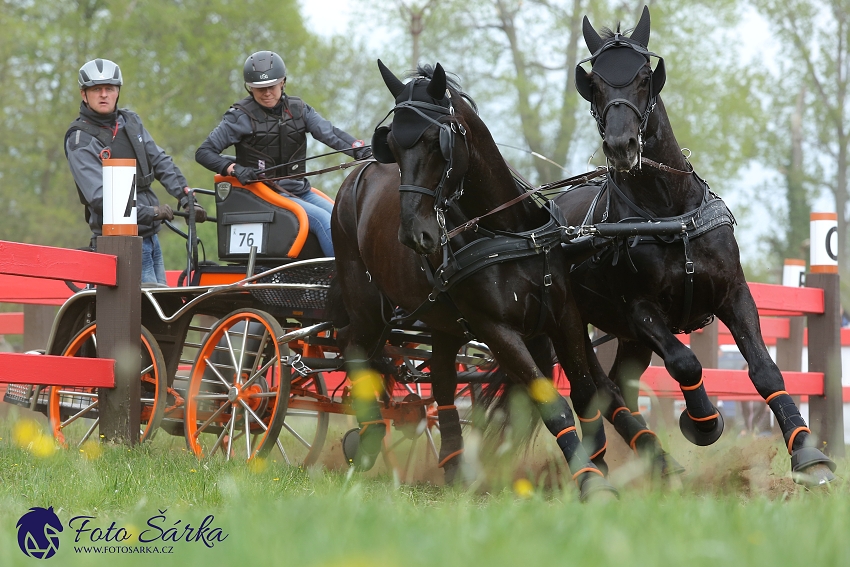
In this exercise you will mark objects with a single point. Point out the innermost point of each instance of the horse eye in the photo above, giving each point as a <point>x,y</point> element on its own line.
<point>644,81</point>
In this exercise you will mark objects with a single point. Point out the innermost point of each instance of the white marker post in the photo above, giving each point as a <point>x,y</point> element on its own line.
<point>119,197</point>
<point>794,272</point>
<point>119,311</point>
<point>826,413</point>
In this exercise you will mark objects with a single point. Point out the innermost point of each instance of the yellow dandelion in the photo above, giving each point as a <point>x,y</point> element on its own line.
<point>523,488</point>
<point>25,431</point>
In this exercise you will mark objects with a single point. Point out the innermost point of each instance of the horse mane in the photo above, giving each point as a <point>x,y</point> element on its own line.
<point>607,33</point>
<point>452,82</point>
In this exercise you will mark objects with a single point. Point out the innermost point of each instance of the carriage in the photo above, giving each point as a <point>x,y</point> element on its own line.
<point>240,358</point>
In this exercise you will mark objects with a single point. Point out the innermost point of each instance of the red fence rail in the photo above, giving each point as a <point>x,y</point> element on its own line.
<point>26,269</point>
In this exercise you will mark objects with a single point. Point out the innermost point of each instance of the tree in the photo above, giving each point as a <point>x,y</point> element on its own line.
<point>819,48</point>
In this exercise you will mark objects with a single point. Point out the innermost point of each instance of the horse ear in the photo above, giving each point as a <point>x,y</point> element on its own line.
<point>659,77</point>
<point>393,83</point>
<point>641,33</point>
<point>583,83</point>
<point>593,40</point>
<point>437,87</point>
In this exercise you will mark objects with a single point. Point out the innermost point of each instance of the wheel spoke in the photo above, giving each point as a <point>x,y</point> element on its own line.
<point>260,350</point>
<point>76,416</point>
<point>297,436</point>
<point>210,420</point>
<point>146,370</point>
<point>282,452</point>
<point>218,441</point>
<point>230,436</point>
<point>211,396</point>
<point>219,376</point>
<point>259,372</point>
<point>89,432</point>
<point>247,421</point>
<point>257,419</point>
<point>232,352</point>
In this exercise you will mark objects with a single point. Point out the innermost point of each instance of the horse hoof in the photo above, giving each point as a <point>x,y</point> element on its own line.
<point>666,466</point>
<point>595,488</point>
<point>811,468</point>
<point>697,436</point>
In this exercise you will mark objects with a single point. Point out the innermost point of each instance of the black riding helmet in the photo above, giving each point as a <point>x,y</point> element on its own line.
<point>264,69</point>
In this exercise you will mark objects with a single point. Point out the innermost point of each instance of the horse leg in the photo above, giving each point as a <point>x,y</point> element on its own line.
<point>515,358</point>
<point>808,465</point>
<point>628,422</point>
<point>631,361</point>
<point>701,422</point>
<point>360,343</point>
<point>444,386</point>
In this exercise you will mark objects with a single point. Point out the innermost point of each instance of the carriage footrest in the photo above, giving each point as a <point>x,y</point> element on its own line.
<point>21,395</point>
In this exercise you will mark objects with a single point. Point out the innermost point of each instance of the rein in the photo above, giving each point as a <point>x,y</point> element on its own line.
<point>320,171</point>
<point>570,181</point>
<point>576,180</point>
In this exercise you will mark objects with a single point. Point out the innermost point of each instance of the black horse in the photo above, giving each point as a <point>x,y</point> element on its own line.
<point>646,289</point>
<point>505,282</point>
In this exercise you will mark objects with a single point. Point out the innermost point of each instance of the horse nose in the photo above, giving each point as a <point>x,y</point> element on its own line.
<point>621,149</point>
<point>421,241</point>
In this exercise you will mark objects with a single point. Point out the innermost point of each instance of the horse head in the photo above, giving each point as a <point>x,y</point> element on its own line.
<point>622,89</point>
<point>424,139</point>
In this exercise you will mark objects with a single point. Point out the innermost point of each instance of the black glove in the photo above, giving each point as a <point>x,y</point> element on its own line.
<point>363,153</point>
<point>200,213</point>
<point>245,175</point>
<point>163,212</point>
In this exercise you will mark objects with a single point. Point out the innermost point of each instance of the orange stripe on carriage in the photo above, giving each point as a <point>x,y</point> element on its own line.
<point>794,434</point>
<point>448,458</point>
<point>265,193</point>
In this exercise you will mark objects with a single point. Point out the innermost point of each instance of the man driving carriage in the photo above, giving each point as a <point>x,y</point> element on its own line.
<point>269,128</point>
<point>103,131</point>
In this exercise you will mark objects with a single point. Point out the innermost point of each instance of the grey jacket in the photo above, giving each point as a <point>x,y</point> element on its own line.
<point>83,151</point>
<point>236,125</point>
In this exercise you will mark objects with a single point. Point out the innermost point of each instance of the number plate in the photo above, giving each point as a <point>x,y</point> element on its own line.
<point>243,236</point>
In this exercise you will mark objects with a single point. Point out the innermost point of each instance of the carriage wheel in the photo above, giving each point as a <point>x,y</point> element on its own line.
<point>238,389</point>
<point>73,412</point>
<point>304,430</point>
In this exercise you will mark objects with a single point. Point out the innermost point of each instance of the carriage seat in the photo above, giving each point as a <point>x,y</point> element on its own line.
<point>259,216</point>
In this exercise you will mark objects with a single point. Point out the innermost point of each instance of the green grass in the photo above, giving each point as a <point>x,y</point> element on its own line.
<point>286,516</point>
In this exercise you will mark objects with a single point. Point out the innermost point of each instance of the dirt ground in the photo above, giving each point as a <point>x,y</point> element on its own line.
<point>746,465</point>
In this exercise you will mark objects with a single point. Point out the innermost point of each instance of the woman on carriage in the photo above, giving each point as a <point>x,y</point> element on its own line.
<point>269,128</point>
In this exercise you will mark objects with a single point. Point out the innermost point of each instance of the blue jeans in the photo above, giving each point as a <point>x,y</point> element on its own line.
<point>318,211</point>
<point>153,266</point>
